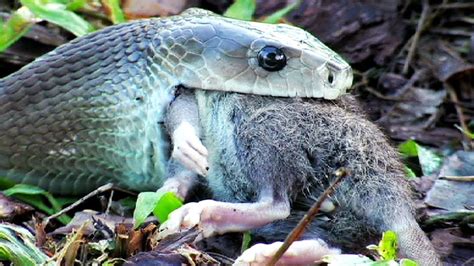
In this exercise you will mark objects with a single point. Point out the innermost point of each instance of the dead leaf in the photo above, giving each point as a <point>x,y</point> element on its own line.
<point>135,9</point>
<point>80,218</point>
<point>452,245</point>
<point>11,209</point>
<point>74,241</point>
<point>359,30</point>
<point>460,163</point>
<point>451,196</point>
<point>444,61</point>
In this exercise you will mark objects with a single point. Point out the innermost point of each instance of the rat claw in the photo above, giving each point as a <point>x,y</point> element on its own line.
<point>189,150</point>
<point>193,162</point>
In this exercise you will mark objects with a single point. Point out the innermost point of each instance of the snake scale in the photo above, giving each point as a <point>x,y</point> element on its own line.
<point>91,111</point>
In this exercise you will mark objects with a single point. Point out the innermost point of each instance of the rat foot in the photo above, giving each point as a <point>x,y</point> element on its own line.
<point>303,252</point>
<point>190,215</point>
<point>216,217</point>
<point>189,150</point>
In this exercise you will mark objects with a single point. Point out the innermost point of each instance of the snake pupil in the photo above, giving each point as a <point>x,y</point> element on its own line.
<point>271,58</point>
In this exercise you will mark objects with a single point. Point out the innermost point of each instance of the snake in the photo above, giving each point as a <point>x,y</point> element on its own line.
<point>91,111</point>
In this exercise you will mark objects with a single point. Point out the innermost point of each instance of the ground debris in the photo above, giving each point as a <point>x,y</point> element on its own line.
<point>414,73</point>
<point>11,209</point>
<point>362,31</point>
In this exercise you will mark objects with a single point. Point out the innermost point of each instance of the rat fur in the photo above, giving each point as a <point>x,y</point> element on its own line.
<point>292,147</point>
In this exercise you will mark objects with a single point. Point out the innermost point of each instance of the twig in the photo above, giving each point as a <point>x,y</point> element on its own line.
<point>453,32</point>
<point>455,6</point>
<point>96,192</point>
<point>308,217</point>
<point>109,204</point>
<point>462,120</point>
<point>469,178</point>
<point>407,86</point>
<point>416,36</point>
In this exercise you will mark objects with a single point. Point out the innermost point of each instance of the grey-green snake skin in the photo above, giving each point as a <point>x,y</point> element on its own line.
<point>91,111</point>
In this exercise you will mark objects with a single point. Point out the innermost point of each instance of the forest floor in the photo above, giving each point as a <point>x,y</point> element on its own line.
<point>414,75</point>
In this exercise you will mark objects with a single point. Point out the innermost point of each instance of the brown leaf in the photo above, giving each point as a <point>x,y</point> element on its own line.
<point>460,163</point>
<point>11,209</point>
<point>451,196</point>
<point>445,63</point>
<point>435,137</point>
<point>108,222</point>
<point>40,234</point>
<point>134,9</point>
<point>455,248</point>
<point>156,258</point>
<point>359,30</point>
<point>74,241</point>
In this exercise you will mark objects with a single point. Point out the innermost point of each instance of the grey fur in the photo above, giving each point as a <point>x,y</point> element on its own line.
<point>293,146</point>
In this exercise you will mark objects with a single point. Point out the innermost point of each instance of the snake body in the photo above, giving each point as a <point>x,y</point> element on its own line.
<point>91,111</point>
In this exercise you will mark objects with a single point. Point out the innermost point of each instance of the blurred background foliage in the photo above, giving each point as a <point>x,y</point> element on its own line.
<point>69,14</point>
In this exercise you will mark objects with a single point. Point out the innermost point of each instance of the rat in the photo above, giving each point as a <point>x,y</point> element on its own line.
<point>270,159</point>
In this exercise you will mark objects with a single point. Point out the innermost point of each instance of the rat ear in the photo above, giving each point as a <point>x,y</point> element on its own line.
<point>193,12</point>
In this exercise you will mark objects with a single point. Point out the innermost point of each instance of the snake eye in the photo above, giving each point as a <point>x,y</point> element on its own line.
<point>271,58</point>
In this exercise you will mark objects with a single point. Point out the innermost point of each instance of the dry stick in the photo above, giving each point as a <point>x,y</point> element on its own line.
<point>462,119</point>
<point>416,36</point>
<point>455,6</point>
<point>109,203</point>
<point>308,217</point>
<point>96,192</point>
<point>469,178</point>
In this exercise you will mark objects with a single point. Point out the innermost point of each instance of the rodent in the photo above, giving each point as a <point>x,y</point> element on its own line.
<point>270,159</point>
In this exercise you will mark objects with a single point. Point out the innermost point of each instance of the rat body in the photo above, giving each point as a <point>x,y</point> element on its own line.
<point>271,158</point>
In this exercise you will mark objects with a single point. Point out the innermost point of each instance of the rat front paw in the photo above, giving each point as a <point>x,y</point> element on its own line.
<point>189,150</point>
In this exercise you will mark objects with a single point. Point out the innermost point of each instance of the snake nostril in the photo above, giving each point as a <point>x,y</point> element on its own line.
<point>330,77</point>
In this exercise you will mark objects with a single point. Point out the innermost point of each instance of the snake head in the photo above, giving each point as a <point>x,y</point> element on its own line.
<point>207,51</point>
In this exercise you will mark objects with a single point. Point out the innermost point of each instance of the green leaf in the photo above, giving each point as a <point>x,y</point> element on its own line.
<point>384,263</point>
<point>160,204</point>
<point>63,201</point>
<point>57,13</point>
<point>429,161</point>
<point>167,204</point>
<point>409,148</point>
<point>408,262</point>
<point>146,203</point>
<point>241,9</point>
<point>409,174</point>
<point>75,4</point>
<point>279,14</point>
<point>6,182</point>
<point>467,133</point>
<point>388,245</point>
<point>128,202</point>
<point>24,189</point>
<point>114,262</point>
<point>18,246</point>
<point>35,197</point>
<point>16,26</point>
<point>347,259</point>
<point>36,201</point>
<point>245,241</point>
<point>114,10</point>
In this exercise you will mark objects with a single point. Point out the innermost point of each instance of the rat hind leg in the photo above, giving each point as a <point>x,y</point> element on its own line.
<point>217,217</point>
